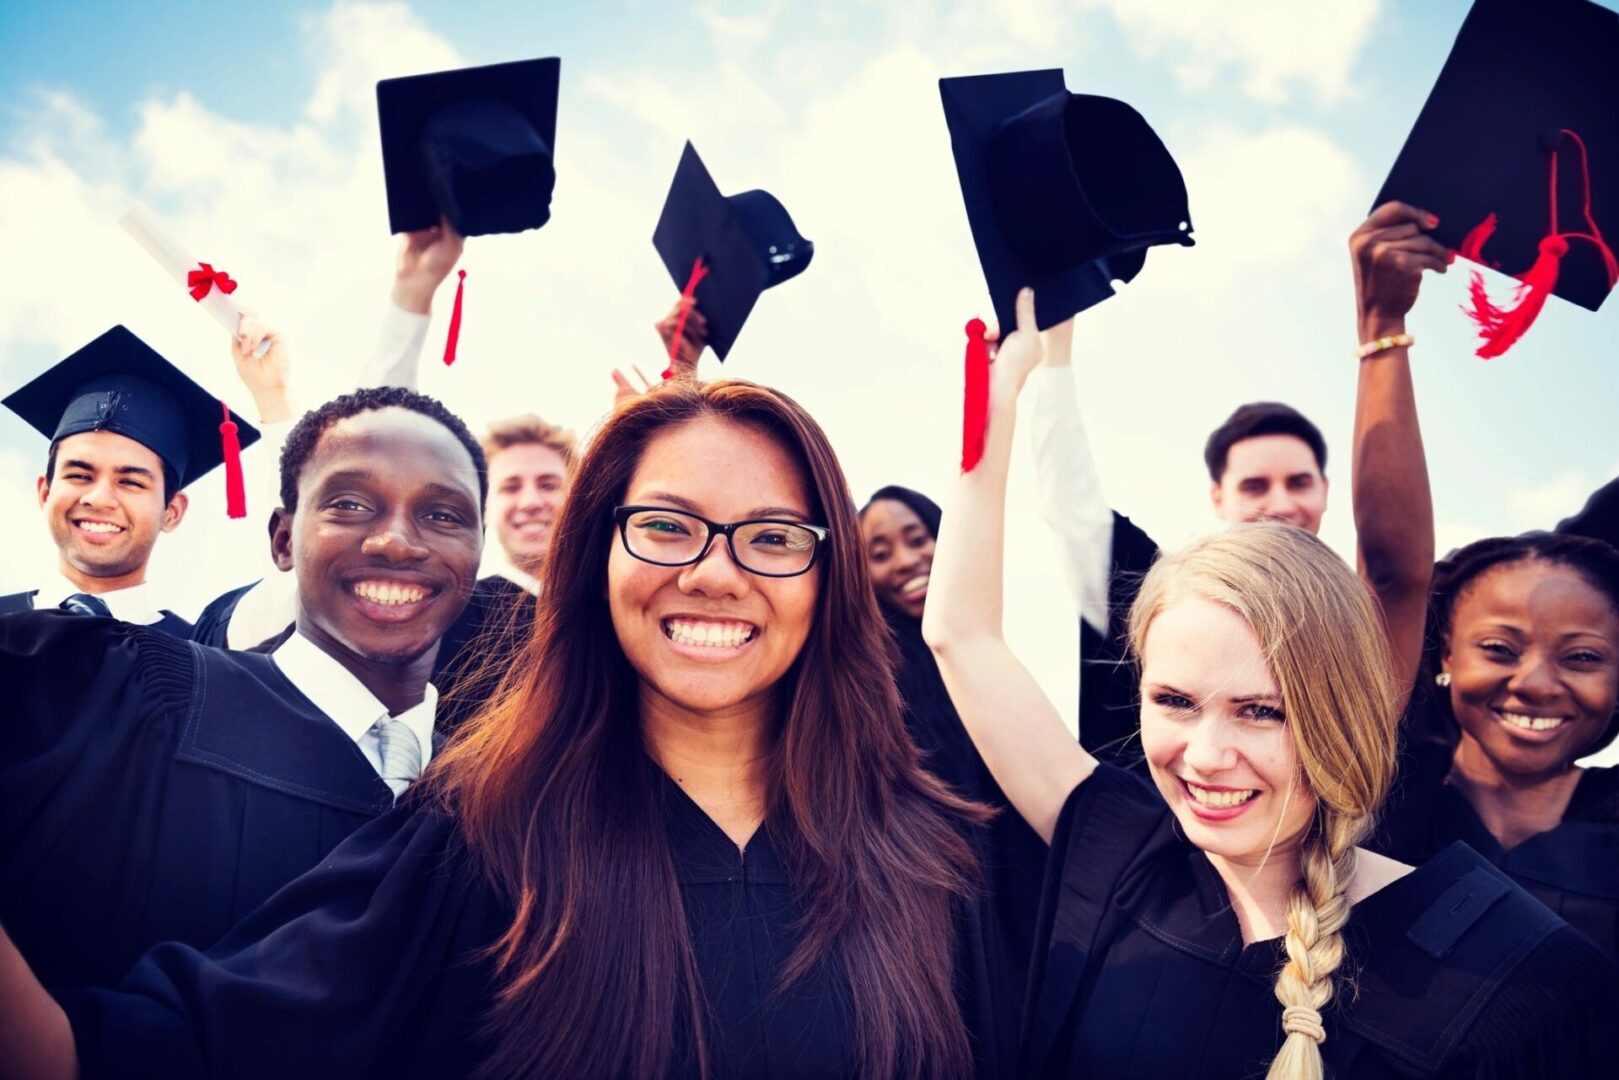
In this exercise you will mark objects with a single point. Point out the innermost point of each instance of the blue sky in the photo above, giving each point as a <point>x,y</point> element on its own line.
<point>250,129</point>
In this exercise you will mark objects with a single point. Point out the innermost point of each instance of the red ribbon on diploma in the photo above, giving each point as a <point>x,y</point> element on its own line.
<point>205,278</point>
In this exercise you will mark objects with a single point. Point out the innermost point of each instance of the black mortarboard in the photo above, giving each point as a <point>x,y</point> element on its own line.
<point>473,144</point>
<point>747,243</point>
<point>118,383</point>
<point>1064,192</point>
<point>1481,155</point>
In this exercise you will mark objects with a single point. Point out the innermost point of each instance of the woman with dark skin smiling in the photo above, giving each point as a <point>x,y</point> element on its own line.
<point>689,837</point>
<point>1521,680</point>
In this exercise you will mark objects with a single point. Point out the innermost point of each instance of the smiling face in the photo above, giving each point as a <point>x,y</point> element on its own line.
<point>386,536</point>
<point>1215,734</point>
<point>712,638</point>
<point>1533,656</point>
<point>527,483</point>
<point>1271,478</point>
<point>899,555</point>
<point>105,508</point>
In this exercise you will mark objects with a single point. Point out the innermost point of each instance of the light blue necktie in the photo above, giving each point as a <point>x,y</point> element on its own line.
<point>401,754</point>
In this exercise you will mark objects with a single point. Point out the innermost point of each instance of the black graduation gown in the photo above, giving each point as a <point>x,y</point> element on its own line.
<point>1109,694</point>
<point>1599,518</point>
<point>1142,971</point>
<point>497,621</point>
<point>1013,855</point>
<point>154,790</point>
<point>170,623</point>
<point>1572,869</point>
<point>369,967</point>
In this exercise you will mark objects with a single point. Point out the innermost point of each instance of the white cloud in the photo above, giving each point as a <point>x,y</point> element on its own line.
<point>1270,45</point>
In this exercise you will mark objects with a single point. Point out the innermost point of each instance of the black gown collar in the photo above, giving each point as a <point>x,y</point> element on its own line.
<point>703,853</point>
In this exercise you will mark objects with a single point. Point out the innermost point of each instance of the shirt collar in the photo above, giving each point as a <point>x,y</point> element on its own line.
<point>131,604</point>
<point>336,691</point>
<point>521,578</point>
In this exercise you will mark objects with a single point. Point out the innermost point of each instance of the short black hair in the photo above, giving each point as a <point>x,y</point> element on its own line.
<point>1594,560</point>
<point>923,507</point>
<point>171,480</point>
<point>308,430</point>
<point>1261,418</point>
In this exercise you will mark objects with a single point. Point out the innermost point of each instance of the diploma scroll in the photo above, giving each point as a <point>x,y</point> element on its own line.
<point>202,281</point>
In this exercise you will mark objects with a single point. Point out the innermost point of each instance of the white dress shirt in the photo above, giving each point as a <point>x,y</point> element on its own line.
<point>132,604</point>
<point>1070,492</point>
<point>336,692</point>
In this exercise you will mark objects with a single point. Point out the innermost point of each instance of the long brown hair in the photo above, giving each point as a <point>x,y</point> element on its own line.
<point>557,800</point>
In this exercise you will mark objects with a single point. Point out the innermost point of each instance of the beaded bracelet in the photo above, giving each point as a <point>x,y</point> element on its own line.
<point>1383,344</point>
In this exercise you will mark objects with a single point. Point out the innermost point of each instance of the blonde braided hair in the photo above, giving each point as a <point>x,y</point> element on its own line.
<point>1323,638</point>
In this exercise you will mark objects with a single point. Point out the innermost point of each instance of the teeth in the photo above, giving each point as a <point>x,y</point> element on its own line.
<point>709,634</point>
<point>389,592</point>
<point>99,527</point>
<point>914,586</point>
<point>1216,800</point>
<point>1532,723</point>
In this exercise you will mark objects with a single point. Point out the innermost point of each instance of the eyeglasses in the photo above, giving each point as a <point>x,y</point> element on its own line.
<point>769,547</point>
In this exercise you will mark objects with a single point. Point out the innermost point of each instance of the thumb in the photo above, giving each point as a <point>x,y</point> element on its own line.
<point>1025,312</point>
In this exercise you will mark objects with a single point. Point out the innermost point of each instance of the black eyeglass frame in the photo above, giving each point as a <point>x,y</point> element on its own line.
<point>622,514</point>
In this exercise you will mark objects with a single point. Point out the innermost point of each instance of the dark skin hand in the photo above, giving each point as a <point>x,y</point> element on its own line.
<point>1392,502</point>
<point>693,340</point>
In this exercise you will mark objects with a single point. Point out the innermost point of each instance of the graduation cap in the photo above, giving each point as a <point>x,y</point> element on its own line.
<point>1517,153</point>
<point>724,249</point>
<point>1064,192</point>
<point>474,144</point>
<point>118,383</point>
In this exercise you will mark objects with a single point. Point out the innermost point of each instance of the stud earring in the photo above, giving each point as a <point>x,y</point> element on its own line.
<point>1442,679</point>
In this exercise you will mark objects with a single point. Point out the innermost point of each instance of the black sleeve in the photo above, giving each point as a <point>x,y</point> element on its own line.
<point>214,622</point>
<point>1553,1016</point>
<point>366,965</point>
<point>1109,713</point>
<point>1600,517</point>
<point>80,693</point>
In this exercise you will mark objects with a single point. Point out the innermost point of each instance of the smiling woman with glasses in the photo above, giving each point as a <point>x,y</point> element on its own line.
<point>691,837</point>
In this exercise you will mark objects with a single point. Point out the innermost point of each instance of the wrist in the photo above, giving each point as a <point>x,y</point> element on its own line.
<point>413,298</point>
<point>274,406</point>
<point>1377,325</point>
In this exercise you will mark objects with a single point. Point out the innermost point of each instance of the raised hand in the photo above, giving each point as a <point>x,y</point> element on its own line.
<point>1390,251</point>
<point>693,336</point>
<point>266,377</point>
<point>1058,343</point>
<point>1017,355</point>
<point>623,389</point>
<point>426,258</point>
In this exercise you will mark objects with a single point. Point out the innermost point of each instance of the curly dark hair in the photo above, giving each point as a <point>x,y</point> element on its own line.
<point>308,430</point>
<point>1594,560</point>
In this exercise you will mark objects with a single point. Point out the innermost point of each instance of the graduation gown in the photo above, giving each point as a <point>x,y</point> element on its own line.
<point>1013,855</point>
<point>497,621</point>
<point>370,967</point>
<point>154,790</point>
<point>170,623</point>
<point>1572,869</point>
<point>1109,693</point>
<point>1141,969</point>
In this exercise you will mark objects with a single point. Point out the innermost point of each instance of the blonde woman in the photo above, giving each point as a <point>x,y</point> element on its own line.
<point>1227,923</point>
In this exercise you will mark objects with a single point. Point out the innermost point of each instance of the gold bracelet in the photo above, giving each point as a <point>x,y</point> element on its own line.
<point>1383,344</point>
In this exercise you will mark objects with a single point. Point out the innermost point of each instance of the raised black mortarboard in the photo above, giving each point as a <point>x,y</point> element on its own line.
<point>1064,192</point>
<point>747,243</point>
<point>1523,118</point>
<point>473,144</point>
<point>118,383</point>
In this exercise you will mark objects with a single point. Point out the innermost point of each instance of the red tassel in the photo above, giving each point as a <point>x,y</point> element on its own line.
<point>1502,327</point>
<point>235,488</point>
<point>1473,243</point>
<point>454,336</point>
<point>699,270</point>
<point>975,406</point>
